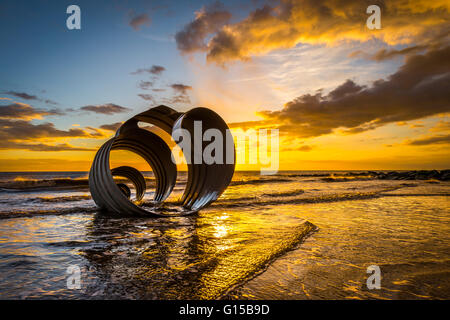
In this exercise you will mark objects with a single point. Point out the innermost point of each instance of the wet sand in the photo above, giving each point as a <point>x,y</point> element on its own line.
<point>291,236</point>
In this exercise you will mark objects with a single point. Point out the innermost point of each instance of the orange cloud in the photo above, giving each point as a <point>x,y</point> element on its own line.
<point>316,22</point>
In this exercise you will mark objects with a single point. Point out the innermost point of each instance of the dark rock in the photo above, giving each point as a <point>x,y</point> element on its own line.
<point>434,174</point>
<point>444,175</point>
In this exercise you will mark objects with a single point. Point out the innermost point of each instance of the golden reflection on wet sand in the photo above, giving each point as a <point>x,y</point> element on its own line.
<point>204,256</point>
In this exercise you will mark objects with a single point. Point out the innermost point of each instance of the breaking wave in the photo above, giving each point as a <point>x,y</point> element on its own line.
<point>18,185</point>
<point>56,212</point>
<point>66,195</point>
<point>62,199</point>
<point>24,183</point>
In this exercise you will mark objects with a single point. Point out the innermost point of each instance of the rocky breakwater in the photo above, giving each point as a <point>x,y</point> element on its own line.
<point>441,175</point>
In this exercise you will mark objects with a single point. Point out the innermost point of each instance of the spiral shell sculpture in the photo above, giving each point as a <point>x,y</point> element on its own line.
<point>205,182</point>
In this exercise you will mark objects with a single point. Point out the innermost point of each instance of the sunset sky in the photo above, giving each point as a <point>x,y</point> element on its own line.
<point>342,96</point>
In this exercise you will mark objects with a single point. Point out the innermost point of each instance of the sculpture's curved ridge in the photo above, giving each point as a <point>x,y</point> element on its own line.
<point>205,183</point>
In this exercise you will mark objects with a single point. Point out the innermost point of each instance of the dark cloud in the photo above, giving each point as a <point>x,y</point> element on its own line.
<point>24,111</point>
<point>418,89</point>
<point>155,70</point>
<point>22,95</point>
<point>438,139</point>
<point>145,85</point>
<point>348,87</point>
<point>111,127</point>
<point>24,130</point>
<point>207,21</point>
<point>181,88</point>
<point>26,96</point>
<point>179,98</point>
<point>48,101</point>
<point>146,97</point>
<point>21,134</point>
<point>108,108</point>
<point>181,94</point>
<point>140,20</point>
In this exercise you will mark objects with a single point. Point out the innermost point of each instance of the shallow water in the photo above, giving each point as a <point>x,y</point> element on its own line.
<point>407,237</point>
<point>259,240</point>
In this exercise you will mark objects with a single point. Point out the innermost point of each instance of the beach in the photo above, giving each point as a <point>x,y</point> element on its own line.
<point>293,235</point>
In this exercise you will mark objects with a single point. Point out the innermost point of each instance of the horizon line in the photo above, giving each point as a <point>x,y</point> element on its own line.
<point>287,170</point>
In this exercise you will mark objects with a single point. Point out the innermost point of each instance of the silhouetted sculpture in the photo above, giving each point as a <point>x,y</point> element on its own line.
<point>205,183</point>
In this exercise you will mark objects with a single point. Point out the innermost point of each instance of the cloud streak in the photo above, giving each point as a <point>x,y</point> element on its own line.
<point>181,94</point>
<point>22,95</point>
<point>438,139</point>
<point>146,97</point>
<point>145,85</point>
<point>107,109</point>
<point>154,70</point>
<point>30,97</point>
<point>181,88</point>
<point>140,20</point>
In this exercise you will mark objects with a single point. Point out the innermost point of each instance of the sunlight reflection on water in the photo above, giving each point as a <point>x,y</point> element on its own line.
<point>253,224</point>
<point>408,237</point>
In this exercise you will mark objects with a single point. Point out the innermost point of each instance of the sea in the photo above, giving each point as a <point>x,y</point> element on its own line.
<point>292,235</point>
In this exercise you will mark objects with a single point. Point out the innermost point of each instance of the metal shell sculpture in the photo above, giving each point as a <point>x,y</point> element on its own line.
<point>205,182</point>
